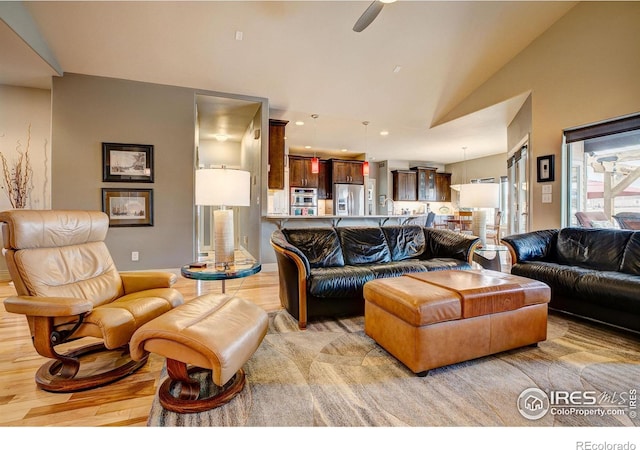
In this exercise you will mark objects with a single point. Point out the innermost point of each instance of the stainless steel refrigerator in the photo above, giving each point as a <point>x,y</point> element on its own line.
<point>348,199</point>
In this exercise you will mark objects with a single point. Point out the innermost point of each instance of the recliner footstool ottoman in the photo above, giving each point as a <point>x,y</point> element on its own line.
<point>215,332</point>
<point>433,319</point>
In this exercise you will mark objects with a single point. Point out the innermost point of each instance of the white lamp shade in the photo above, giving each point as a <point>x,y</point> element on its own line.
<point>223,187</point>
<point>480,195</point>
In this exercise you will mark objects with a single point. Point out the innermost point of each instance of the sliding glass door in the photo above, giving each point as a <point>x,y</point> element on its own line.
<point>518,173</point>
<point>603,162</point>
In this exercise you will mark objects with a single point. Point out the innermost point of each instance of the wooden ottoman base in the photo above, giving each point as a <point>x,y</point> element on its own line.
<point>205,341</point>
<point>435,319</point>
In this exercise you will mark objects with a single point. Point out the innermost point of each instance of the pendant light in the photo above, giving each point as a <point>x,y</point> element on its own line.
<point>315,162</point>
<point>365,165</point>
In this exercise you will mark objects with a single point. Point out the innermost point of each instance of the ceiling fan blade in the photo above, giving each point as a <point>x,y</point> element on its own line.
<point>368,16</point>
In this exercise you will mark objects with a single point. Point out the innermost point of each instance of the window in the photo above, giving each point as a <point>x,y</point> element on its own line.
<point>603,172</point>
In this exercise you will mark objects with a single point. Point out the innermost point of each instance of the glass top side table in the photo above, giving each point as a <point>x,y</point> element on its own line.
<point>493,257</point>
<point>207,270</point>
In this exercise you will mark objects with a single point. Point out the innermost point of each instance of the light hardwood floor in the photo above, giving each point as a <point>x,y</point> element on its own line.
<point>123,403</point>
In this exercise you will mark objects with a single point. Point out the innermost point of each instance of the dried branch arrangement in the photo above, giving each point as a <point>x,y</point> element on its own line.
<point>17,177</point>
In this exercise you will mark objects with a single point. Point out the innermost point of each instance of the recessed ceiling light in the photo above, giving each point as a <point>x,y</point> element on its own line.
<point>384,133</point>
<point>397,69</point>
<point>299,122</point>
<point>343,150</point>
<point>307,147</point>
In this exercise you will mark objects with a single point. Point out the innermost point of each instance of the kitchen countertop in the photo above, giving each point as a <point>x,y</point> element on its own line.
<point>281,219</point>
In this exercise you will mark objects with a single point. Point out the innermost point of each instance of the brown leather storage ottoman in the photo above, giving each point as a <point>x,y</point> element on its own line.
<point>215,332</point>
<point>433,319</point>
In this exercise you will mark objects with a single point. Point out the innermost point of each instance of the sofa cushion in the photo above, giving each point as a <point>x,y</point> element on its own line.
<point>339,282</point>
<point>611,289</point>
<point>447,244</point>
<point>363,245</point>
<point>559,277</point>
<point>404,241</point>
<point>395,268</point>
<point>321,246</point>
<point>592,248</point>
<point>631,257</point>
<point>445,264</point>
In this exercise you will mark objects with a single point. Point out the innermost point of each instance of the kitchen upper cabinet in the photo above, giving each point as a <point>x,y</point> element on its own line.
<point>324,181</point>
<point>443,187</point>
<point>300,172</point>
<point>346,172</point>
<point>404,185</point>
<point>276,153</point>
<point>426,184</point>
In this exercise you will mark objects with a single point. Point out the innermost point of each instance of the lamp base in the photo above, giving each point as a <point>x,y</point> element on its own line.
<point>224,247</point>
<point>479,225</point>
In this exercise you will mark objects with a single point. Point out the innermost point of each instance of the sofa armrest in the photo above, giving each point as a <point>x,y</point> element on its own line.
<point>47,306</point>
<point>532,246</point>
<point>294,266</point>
<point>449,244</point>
<point>279,242</point>
<point>141,281</point>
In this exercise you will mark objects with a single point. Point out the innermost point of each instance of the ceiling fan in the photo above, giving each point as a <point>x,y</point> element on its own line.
<point>370,14</point>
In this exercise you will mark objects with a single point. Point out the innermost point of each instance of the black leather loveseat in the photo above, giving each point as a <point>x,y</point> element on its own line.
<point>593,273</point>
<point>323,270</point>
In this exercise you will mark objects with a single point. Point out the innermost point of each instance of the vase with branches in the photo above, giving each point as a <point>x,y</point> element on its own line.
<point>18,175</point>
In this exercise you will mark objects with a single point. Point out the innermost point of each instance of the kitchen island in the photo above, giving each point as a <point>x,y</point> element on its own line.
<point>282,221</point>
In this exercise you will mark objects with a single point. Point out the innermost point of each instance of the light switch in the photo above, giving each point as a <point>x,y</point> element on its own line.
<point>546,198</point>
<point>547,189</point>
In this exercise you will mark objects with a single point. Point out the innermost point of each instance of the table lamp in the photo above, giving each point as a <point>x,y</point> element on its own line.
<point>224,188</point>
<point>478,196</point>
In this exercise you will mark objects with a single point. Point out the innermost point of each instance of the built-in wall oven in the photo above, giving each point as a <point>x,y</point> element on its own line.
<point>304,201</point>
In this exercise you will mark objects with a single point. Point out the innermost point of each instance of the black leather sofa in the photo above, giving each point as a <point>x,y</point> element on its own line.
<point>593,273</point>
<point>322,271</point>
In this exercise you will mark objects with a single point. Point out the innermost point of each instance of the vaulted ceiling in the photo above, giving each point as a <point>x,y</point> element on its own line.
<point>402,74</point>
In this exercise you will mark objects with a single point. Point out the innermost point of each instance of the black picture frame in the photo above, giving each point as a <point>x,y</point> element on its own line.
<point>546,168</point>
<point>128,207</point>
<point>127,162</point>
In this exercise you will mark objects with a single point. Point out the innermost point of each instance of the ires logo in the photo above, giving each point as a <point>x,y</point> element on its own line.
<point>575,398</point>
<point>534,403</point>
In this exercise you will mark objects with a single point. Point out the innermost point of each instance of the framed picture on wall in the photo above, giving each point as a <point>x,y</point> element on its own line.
<point>128,207</point>
<point>127,162</point>
<point>545,168</point>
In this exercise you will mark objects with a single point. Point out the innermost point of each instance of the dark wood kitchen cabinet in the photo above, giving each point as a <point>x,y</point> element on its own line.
<point>426,183</point>
<point>404,185</point>
<point>346,172</point>
<point>300,174</point>
<point>443,187</point>
<point>276,153</point>
<point>324,181</point>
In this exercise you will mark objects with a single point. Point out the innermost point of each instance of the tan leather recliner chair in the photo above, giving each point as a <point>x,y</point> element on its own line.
<point>69,288</point>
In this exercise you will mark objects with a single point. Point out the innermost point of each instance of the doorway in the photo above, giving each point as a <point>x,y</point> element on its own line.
<point>228,134</point>
<point>518,175</point>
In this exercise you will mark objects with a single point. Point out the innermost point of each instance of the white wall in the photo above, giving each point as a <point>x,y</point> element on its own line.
<point>19,109</point>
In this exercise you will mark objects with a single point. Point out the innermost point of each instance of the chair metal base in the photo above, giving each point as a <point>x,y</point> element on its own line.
<point>61,375</point>
<point>187,399</point>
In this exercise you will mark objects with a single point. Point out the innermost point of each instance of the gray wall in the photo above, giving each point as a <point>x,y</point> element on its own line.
<point>87,111</point>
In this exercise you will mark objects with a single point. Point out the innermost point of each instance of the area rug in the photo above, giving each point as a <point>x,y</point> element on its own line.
<point>334,375</point>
